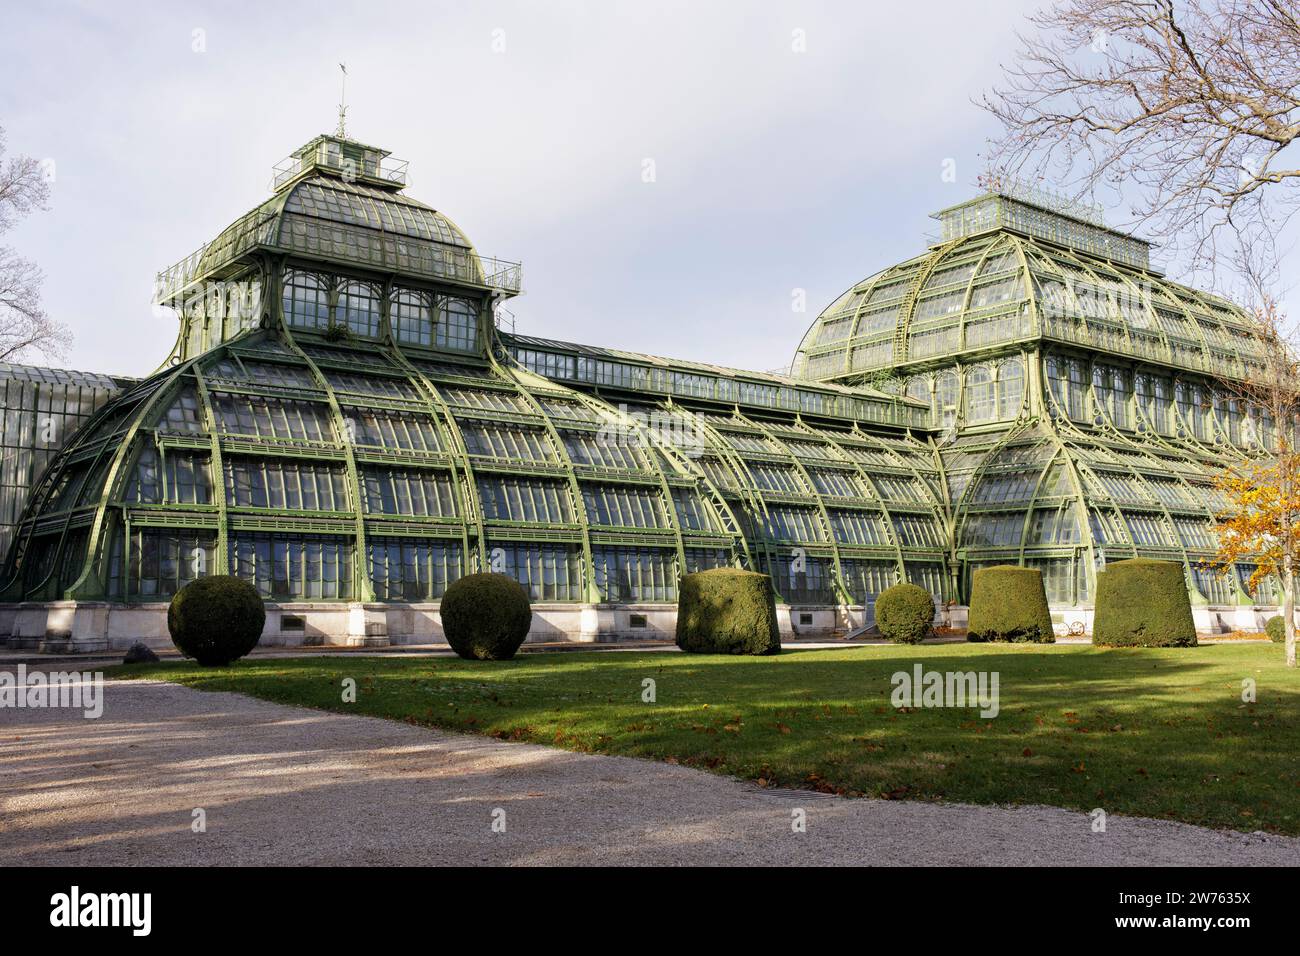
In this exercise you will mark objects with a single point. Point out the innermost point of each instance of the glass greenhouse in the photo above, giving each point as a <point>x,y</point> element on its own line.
<point>1081,401</point>
<point>341,423</point>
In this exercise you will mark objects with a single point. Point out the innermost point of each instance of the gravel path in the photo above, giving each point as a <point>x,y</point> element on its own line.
<point>291,786</point>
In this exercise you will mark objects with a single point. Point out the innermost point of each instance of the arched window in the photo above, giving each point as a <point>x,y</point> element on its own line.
<point>1190,403</point>
<point>1011,389</point>
<point>980,405</point>
<point>919,389</point>
<point>306,301</point>
<point>1164,406</point>
<point>1201,415</point>
<point>1144,391</point>
<point>457,325</point>
<point>1057,382</point>
<point>1101,391</point>
<point>358,308</point>
<point>245,306</point>
<point>1119,393</point>
<point>1229,413</point>
<point>945,396</point>
<point>1077,398</point>
<point>411,314</point>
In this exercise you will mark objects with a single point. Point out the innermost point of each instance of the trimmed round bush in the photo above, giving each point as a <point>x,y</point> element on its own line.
<point>486,616</point>
<point>216,619</point>
<point>905,613</point>
<point>1275,628</point>
<point>1008,603</point>
<point>1143,603</point>
<point>727,611</point>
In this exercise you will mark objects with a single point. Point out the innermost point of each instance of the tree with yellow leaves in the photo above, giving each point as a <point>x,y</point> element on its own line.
<point>1262,521</point>
<point>1262,525</point>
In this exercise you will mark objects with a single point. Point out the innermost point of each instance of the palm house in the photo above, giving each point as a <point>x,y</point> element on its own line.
<point>341,422</point>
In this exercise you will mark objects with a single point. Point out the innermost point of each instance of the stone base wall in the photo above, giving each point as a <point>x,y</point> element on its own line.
<point>84,626</point>
<point>72,626</point>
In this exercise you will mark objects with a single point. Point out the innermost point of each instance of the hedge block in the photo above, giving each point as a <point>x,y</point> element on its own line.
<point>1009,603</point>
<point>1143,603</point>
<point>727,611</point>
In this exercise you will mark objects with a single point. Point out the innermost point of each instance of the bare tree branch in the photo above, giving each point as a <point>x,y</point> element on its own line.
<point>24,325</point>
<point>1193,102</point>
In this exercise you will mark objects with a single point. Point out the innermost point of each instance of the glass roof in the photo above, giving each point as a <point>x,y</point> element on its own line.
<point>328,210</point>
<point>988,290</point>
<point>60,376</point>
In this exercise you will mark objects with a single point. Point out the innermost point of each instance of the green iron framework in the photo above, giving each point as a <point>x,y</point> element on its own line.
<point>1083,403</point>
<point>341,420</point>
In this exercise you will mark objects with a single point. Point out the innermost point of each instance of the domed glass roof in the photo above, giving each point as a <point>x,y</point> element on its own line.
<point>994,281</point>
<point>337,200</point>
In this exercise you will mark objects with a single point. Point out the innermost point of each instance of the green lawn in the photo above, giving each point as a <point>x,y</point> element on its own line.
<point>1159,733</point>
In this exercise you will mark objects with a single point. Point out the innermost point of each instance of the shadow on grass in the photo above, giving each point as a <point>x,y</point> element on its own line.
<point>1161,733</point>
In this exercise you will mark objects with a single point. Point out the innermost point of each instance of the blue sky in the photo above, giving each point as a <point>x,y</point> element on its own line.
<point>529,124</point>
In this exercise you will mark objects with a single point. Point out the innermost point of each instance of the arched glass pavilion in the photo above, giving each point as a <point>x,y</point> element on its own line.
<point>1083,403</point>
<point>341,422</point>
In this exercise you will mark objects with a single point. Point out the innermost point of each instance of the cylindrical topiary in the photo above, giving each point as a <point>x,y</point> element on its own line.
<point>216,619</point>
<point>727,611</point>
<point>1143,603</point>
<point>1008,603</point>
<point>905,613</point>
<point>1275,628</point>
<point>486,616</point>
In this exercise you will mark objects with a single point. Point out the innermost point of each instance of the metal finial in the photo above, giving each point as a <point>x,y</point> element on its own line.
<point>342,131</point>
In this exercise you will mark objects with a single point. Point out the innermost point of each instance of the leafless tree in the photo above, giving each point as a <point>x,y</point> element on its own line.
<point>1187,108</point>
<point>24,325</point>
<point>1193,102</point>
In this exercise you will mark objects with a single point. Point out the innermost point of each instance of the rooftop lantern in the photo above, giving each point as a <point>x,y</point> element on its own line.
<point>345,158</point>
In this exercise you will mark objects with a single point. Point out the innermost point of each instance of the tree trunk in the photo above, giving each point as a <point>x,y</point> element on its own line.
<point>1288,606</point>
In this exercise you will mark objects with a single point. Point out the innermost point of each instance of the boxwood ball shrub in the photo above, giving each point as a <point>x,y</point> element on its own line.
<point>216,619</point>
<point>486,616</point>
<point>905,613</point>
<point>727,611</point>
<point>1143,602</point>
<point>1275,628</point>
<point>1008,603</point>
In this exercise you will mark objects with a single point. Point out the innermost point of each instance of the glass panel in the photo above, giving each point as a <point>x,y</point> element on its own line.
<point>457,325</point>
<point>411,315</point>
<point>290,567</point>
<point>306,300</point>
<point>358,308</point>
<point>549,572</point>
<point>635,574</point>
<point>413,569</point>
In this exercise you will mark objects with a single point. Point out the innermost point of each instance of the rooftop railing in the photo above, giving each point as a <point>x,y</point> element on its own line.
<point>327,155</point>
<point>502,274</point>
<point>173,279</point>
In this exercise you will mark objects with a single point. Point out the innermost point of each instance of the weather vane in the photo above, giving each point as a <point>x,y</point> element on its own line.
<point>342,131</point>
